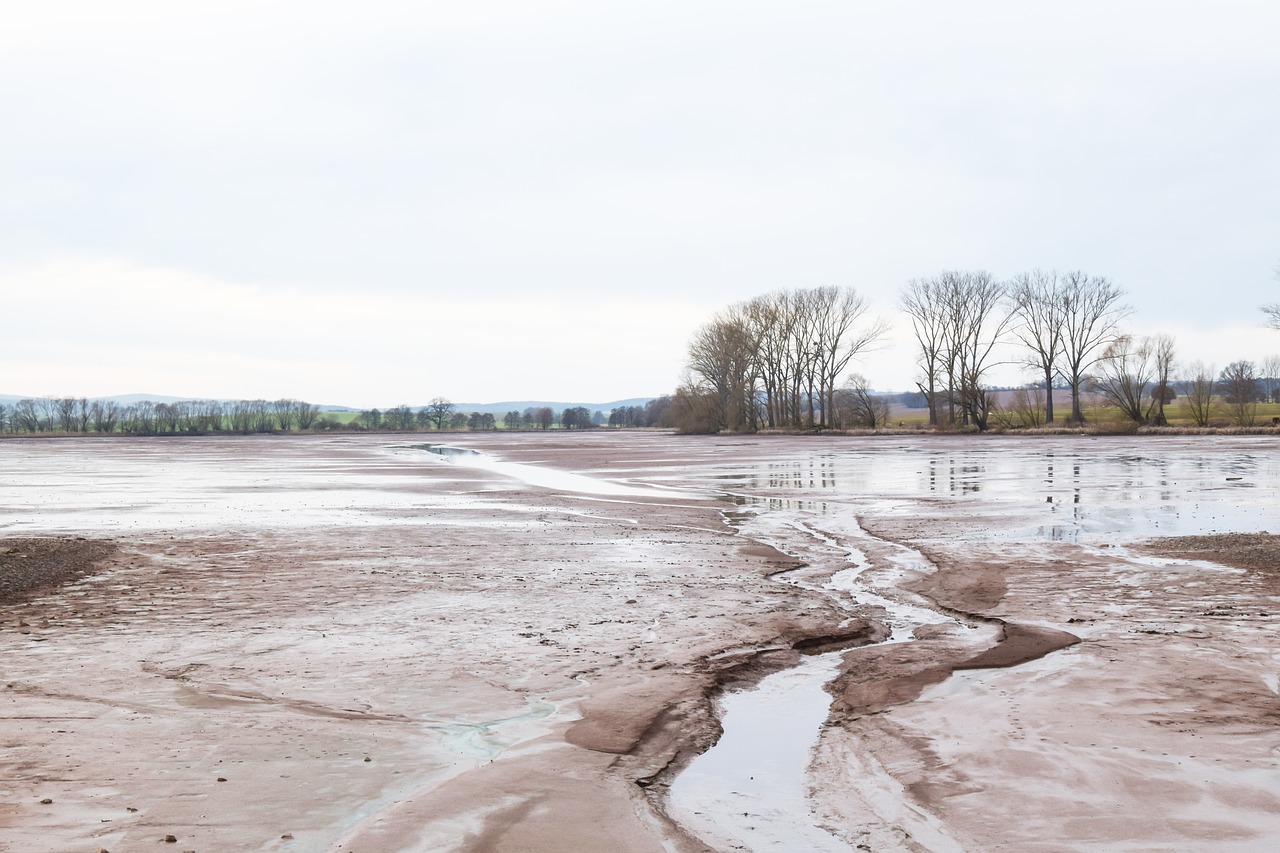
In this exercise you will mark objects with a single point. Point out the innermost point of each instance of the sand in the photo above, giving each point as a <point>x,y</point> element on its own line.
<point>351,644</point>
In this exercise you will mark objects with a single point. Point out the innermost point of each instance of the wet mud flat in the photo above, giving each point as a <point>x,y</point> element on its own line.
<point>351,644</point>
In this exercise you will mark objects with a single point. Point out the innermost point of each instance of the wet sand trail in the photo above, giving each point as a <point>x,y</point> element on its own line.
<point>352,644</point>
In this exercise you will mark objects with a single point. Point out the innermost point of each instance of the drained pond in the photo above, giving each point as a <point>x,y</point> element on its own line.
<point>937,643</point>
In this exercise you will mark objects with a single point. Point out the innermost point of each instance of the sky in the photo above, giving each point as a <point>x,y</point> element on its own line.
<point>385,202</point>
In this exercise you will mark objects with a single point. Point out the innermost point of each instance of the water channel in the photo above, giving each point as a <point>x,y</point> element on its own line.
<point>750,791</point>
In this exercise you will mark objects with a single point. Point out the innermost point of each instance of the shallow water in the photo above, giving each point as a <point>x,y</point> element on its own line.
<point>749,790</point>
<point>1081,491</point>
<point>554,478</point>
<point>1068,489</point>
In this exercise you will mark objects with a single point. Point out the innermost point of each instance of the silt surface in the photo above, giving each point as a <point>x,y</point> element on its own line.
<point>351,643</point>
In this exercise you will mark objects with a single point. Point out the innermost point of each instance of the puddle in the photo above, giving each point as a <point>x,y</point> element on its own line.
<point>749,789</point>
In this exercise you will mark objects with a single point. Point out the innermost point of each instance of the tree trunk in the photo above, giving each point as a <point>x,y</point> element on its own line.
<point>1048,396</point>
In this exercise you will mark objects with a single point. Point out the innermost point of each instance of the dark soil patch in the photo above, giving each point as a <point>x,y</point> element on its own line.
<point>28,566</point>
<point>1256,552</point>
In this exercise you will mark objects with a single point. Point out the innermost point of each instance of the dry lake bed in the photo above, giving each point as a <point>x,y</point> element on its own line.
<point>532,642</point>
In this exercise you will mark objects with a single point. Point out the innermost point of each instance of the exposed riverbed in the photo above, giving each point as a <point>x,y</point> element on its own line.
<point>514,645</point>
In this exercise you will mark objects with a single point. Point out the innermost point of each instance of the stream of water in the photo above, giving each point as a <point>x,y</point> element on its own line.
<point>751,790</point>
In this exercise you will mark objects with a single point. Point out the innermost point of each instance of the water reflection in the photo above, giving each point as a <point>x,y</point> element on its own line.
<point>1056,489</point>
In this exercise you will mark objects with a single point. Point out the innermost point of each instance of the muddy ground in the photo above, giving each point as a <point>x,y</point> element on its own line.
<point>351,644</point>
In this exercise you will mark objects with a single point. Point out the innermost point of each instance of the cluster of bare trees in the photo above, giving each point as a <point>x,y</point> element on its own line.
<point>1235,392</point>
<point>438,414</point>
<point>655,413</point>
<point>958,318</point>
<point>81,415</point>
<point>533,417</point>
<point>774,361</point>
<point>1065,324</point>
<point>1135,376</point>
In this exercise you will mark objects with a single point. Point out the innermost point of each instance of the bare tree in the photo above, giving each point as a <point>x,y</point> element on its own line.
<point>978,322</point>
<point>1270,378</point>
<point>542,417</point>
<point>924,302</point>
<point>398,418</point>
<point>1239,386</point>
<point>576,417</point>
<point>212,415</point>
<point>958,318</point>
<point>168,417</point>
<point>440,409</point>
<point>307,414</point>
<point>25,416</point>
<point>723,364</point>
<point>1038,303</point>
<point>104,414</point>
<point>1091,313</point>
<point>837,341</point>
<point>771,321</point>
<point>1164,354</point>
<point>286,412</point>
<point>1198,391</point>
<point>859,407</point>
<point>66,409</point>
<point>1127,369</point>
<point>140,418</point>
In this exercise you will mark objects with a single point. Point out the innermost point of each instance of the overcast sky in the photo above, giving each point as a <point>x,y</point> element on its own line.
<point>382,202</point>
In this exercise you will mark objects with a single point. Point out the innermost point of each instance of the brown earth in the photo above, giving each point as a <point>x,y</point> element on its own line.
<point>29,566</point>
<point>1259,553</point>
<point>387,652</point>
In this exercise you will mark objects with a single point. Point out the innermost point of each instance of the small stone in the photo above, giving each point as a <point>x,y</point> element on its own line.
<point>222,778</point>
<point>130,809</point>
<point>287,835</point>
<point>171,839</point>
<point>46,801</point>
<point>631,601</point>
<point>367,758</point>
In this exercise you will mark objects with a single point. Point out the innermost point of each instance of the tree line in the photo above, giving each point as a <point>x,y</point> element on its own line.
<point>80,415</point>
<point>105,417</point>
<point>774,361</point>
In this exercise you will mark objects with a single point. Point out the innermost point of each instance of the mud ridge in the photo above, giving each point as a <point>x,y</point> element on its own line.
<point>872,684</point>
